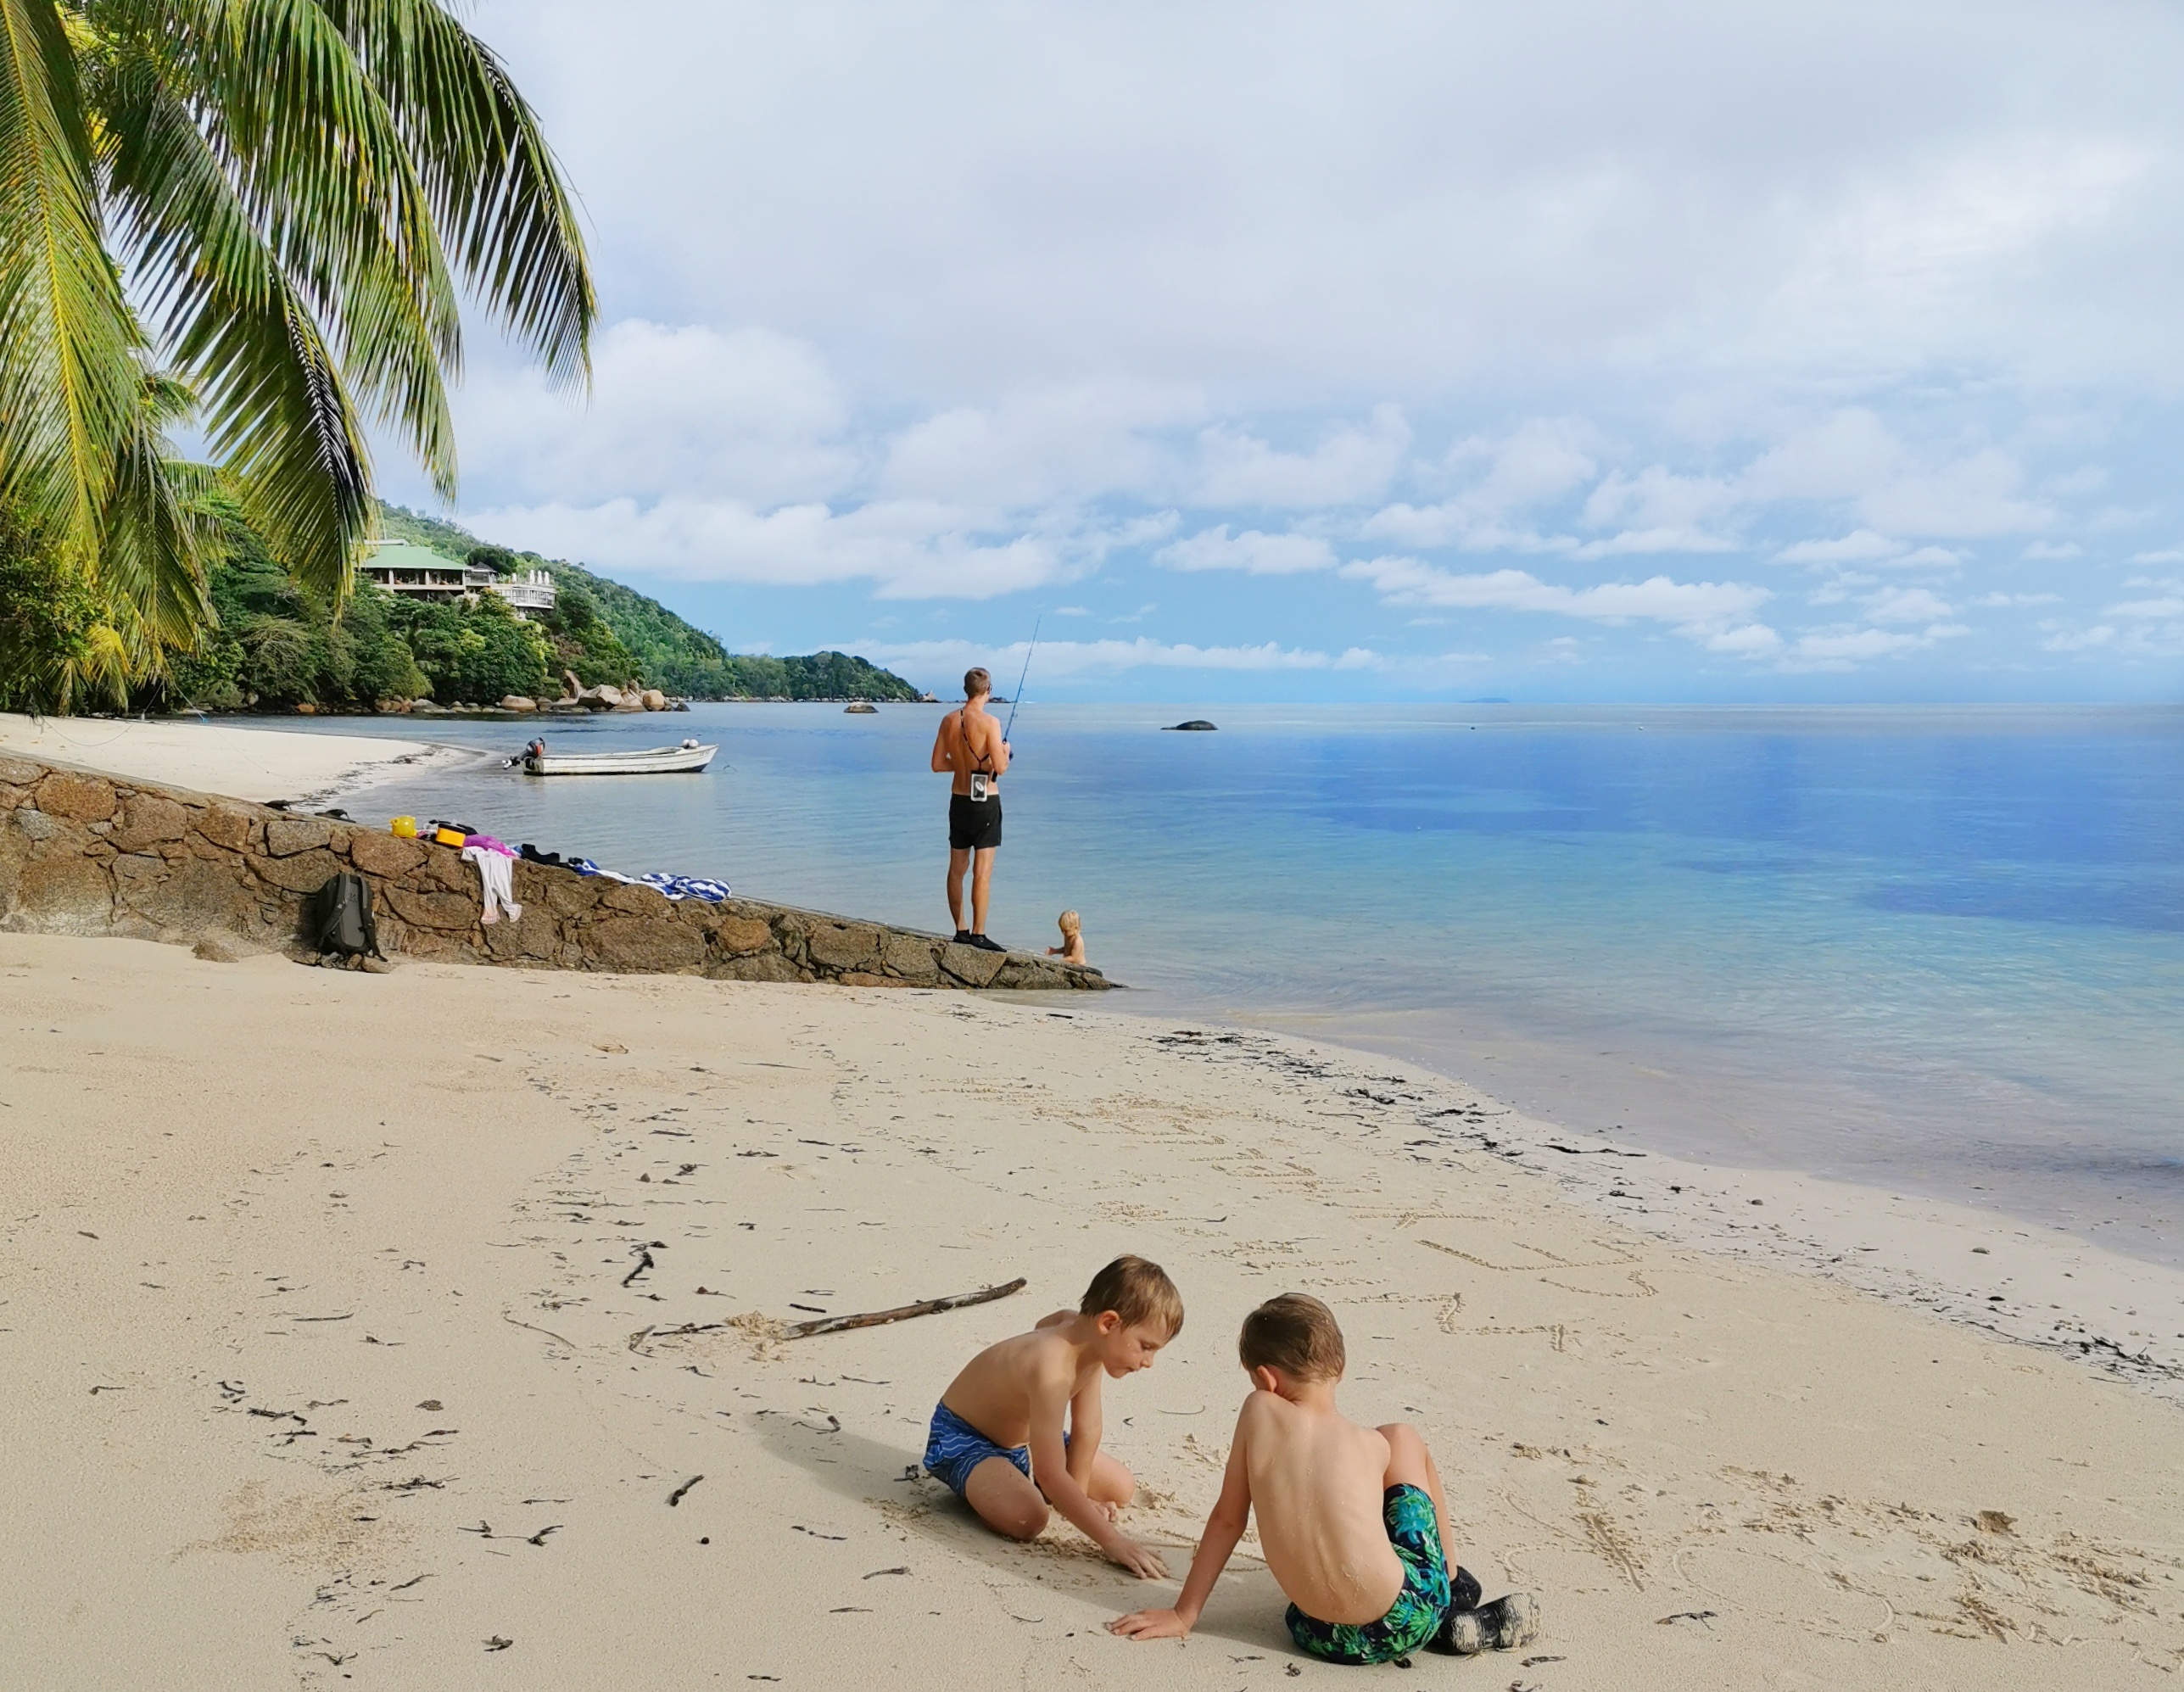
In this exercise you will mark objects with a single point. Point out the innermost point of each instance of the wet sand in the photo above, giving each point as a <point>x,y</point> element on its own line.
<point>337,1313</point>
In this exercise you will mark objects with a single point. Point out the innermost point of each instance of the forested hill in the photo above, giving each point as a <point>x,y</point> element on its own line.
<point>668,652</point>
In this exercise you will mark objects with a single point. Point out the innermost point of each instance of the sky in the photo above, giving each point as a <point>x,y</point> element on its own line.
<point>1568,351</point>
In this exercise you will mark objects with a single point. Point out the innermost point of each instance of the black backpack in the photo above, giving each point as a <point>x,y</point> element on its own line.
<point>337,919</point>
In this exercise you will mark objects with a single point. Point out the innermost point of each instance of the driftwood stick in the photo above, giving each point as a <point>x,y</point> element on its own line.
<point>901,1312</point>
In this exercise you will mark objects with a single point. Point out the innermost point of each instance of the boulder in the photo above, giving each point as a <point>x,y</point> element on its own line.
<point>196,897</point>
<point>384,855</point>
<point>912,957</point>
<point>740,936</point>
<point>565,893</point>
<point>763,966</point>
<point>836,947</point>
<point>972,965</point>
<point>640,901</point>
<point>606,693</point>
<point>644,943</point>
<point>442,911</point>
<point>303,871</point>
<point>64,893</point>
<point>654,699</point>
<point>20,772</point>
<point>34,823</point>
<point>85,798</point>
<point>516,701</point>
<point>228,829</point>
<point>286,836</point>
<point>147,819</point>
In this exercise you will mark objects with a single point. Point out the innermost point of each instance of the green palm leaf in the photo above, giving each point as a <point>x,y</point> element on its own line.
<point>68,341</point>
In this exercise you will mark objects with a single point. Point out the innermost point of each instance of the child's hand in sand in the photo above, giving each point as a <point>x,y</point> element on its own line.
<point>1145,1564</point>
<point>1150,1624</point>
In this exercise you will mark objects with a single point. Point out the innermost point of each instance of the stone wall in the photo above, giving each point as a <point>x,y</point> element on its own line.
<point>85,853</point>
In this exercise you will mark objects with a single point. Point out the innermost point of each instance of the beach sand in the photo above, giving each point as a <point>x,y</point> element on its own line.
<point>332,1355</point>
<point>257,764</point>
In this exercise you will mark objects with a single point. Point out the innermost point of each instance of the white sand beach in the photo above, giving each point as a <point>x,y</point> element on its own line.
<point>257,764</point>
<point>333,1356</point>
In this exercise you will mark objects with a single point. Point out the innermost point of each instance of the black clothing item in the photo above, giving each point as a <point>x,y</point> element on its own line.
<point>974,824</point>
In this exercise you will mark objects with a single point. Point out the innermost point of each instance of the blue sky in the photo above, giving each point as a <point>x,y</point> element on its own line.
<point>1567,351</point>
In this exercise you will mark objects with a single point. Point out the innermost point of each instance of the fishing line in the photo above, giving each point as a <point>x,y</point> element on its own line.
<point>1018,700</point>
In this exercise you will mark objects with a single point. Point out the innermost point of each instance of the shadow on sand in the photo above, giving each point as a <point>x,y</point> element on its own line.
<point>1246,1609</point>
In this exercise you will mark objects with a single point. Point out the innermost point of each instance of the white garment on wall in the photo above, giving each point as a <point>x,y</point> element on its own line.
<point>495,875</point>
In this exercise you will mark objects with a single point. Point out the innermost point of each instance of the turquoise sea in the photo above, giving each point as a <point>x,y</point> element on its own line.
<point>1936,950</point>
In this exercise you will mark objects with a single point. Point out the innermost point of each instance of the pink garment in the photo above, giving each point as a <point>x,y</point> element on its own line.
<point>487,843</point>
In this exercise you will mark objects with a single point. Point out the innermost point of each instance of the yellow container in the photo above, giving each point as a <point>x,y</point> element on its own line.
<point>449,837</point>
<point>407,827</point>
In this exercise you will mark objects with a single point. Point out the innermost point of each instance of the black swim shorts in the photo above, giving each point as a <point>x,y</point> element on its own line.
<point>974,824</point>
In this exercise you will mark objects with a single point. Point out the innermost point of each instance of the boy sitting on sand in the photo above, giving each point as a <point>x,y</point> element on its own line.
<point>1072,948</point>
<point>1351,1519</point>
<point>997,1439</point>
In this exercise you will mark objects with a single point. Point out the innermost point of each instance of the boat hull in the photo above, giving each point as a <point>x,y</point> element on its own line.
<point>659,761</point>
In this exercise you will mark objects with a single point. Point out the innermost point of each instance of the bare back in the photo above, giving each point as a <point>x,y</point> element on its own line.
<point>969,741</point>
<point>1316,1480</point>
<point>997,1389</point>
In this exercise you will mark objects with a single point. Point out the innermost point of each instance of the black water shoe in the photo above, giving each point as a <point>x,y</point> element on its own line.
<point>1501,1626</point>
<point>985,945</point>
<point>963,936</point>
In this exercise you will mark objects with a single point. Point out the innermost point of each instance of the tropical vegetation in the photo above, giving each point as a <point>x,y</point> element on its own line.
<point>250,217</point>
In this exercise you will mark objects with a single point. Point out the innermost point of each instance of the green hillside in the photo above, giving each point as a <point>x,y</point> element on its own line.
<point>599,624</point>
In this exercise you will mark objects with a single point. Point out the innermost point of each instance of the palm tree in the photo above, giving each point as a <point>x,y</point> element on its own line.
<point>253,210</point>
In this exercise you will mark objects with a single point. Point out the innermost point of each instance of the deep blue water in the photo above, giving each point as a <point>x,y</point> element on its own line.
<point>1934,949</point>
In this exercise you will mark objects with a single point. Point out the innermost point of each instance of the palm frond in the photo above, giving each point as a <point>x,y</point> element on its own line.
<point>224,200</point>
<point>160,534</point>
<point>494,184</point>
<point>68,340</point>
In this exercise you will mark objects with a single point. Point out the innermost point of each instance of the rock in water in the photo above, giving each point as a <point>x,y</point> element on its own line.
<point>861,708</point>
<point>1196,725</point>
<point>516,701</point>
<point>654,699</point>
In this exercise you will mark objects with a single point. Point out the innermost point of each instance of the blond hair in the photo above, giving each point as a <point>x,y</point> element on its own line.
<point>1136,1291</point>
<point>1295,1333</point>
<point>1070,922</point>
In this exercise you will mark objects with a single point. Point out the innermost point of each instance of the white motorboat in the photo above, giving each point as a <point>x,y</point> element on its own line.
<point>688,759</point>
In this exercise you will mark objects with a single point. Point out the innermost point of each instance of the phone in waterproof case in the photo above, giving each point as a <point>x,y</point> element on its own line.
<point>981,786</point>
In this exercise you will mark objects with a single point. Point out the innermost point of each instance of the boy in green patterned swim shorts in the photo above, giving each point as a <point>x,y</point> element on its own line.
<point>1351,1519</point>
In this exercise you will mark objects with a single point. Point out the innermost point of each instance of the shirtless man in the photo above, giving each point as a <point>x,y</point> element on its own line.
<point>969,749</point>
<point>1351,1520</point>
<point>998,1439</point>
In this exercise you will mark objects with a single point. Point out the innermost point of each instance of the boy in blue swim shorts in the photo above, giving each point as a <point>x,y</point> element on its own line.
<point>998,1439</point>
<point>1351,1520</point>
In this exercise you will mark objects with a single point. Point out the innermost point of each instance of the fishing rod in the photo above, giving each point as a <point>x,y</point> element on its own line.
<point>1018,700</point>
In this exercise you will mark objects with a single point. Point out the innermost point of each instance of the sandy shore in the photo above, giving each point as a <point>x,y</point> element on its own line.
<point>331,1356</point>
<point>257,764</point>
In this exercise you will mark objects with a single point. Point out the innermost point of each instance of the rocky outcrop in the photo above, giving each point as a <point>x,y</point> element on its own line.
<point>85,853</point>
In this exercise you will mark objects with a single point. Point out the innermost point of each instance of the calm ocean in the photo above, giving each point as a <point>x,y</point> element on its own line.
<point>1934,950</point>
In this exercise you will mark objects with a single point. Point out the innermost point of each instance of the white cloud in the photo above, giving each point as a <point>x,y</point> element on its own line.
<point>1060,658</point>
<point>1856,546</point>
<point>1752,641</point>
<point>1251,552</point>
<point>1349,465</point>
<point>2169,554</point>
<point>1542,459</point>
<point>1854,455</point>
<point>905,548</point>
<point>2062,639</point>
<point>1905,605</point>
<point>2148,609</point>
<point>1068,443</point>
<point>685,411</point>
<point>1844,649</point>
<point>1688,604</point>
<point>2044,551</point>
<point>1998,601</point>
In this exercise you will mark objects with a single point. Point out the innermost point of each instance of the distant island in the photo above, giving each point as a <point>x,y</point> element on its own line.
<point>279,648</point>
